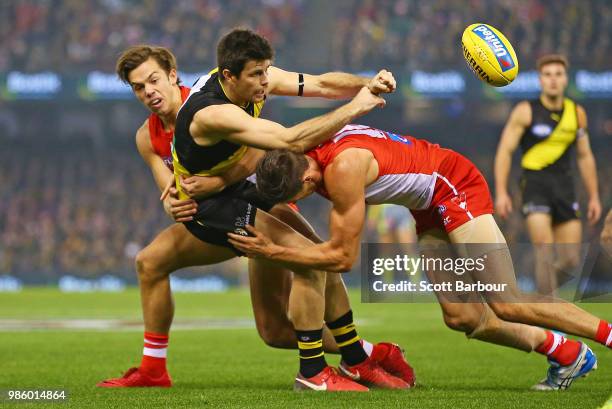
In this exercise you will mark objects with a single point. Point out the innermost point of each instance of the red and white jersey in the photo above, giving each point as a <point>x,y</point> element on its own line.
<point>407,167</point>
<point>161,140</point>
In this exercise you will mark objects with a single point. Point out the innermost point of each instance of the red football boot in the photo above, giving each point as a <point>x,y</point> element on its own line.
<point>391,358</point>
<point>328,380</point>
<point>134,378</point>
<point>371,374</point>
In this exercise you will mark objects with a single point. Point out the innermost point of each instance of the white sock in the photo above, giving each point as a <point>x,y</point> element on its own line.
<point>367,347</point>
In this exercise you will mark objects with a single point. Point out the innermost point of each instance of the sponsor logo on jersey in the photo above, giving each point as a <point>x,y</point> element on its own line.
<point>441,209</point>
<point>496,45</point>
<point>398,138</point>
<point>541,130</point>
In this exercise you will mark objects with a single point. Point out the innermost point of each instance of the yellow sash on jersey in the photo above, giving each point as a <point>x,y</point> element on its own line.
<point>549,150</point>
<point>181,171</point>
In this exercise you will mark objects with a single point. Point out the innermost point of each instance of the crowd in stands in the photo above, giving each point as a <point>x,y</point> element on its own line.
<point>364,34</point>
<point>426,34</point>
<point>88,211</point>
<point>69,35</point>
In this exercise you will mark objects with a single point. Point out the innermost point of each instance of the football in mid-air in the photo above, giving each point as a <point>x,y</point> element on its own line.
<point>489,54</point>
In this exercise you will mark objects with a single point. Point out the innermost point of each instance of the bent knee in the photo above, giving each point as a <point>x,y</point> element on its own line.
<point>148,266</point>
<point>277,334</point>
<point>461,321</point>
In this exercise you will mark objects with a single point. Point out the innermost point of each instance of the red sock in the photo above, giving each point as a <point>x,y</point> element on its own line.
<point>557,347</point>
<point>154,354</point>
<point>604,333</point>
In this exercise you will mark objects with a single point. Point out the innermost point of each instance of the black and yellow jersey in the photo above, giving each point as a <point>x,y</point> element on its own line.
<point>188,157</point>
<point>548,142</point>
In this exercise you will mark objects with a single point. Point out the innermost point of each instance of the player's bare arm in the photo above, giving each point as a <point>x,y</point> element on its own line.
<point>587,167</point>
<point>332,85</point>
<point>345,181</point>
<point>511,136</point>
<point>199,187</point>
<point>179,210</point>
<point>230,122</point>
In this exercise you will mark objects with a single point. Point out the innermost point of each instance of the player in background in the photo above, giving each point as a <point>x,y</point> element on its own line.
<point>548,131</point>
<point>450,202</point>
<point>391,228</point>
<point>151,71</point>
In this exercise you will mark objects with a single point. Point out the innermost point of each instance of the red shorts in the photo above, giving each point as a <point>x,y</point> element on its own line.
<point>461,193</point>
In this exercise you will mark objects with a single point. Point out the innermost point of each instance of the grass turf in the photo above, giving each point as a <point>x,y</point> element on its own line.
<point>233,368</point>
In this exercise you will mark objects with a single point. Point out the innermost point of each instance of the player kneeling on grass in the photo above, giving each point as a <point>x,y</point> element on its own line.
<point>450,201</point>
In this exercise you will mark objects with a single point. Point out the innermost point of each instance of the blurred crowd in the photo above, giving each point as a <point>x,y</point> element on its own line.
<point>71,211</point>
<point>88,212</point>
<point>426,34</point>
<point>363,34</point>
<point>69,35</point>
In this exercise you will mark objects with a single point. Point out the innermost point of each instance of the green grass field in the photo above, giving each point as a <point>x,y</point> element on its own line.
<point>230,367</point>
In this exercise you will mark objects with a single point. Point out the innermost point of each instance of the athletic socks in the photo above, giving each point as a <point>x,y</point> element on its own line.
<point>368,348</point>
<point>557,347</point>
<point>312,358</point>
<point>604,333</point>
<point>345,334</point>
<point>154,354</point>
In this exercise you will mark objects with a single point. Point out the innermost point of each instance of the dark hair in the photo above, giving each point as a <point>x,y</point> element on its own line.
<point>279,175</point>
<point>238,47</point>
<point>550,59</point>
<point>136,55</point>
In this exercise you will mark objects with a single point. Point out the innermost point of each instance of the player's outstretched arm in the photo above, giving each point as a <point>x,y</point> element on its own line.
<point>587,167</point>
<point>331,85</point>
<point>511,136</point>
<point>345,182</point>
<point>230,122</point>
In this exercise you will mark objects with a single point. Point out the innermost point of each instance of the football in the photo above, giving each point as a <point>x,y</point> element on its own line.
<point>489,54</point>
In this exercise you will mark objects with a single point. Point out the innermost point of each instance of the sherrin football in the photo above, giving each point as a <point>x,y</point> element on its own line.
<point>489,55</point>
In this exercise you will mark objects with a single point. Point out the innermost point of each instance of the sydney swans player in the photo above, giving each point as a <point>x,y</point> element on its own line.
<point>450,201</point>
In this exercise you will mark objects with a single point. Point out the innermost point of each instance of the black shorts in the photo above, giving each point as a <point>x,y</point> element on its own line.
<point>228,211</point>
<point>551,193</point>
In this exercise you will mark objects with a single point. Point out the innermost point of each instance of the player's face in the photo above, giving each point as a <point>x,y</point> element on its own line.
<point>553,79</point>
<point>153,86</point>
<point>252,84</point>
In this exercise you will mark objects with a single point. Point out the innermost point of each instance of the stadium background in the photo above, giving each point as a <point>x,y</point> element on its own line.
<point>77,200</point>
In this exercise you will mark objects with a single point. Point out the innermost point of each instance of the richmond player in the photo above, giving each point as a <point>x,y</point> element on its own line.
<point>548,131</point>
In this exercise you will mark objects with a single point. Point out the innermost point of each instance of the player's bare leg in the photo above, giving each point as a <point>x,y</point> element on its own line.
<point>568,237</point>
<point>557,314</point>
<point>477,320</point>
<point>388,355</point>
<point>172,249</point>
<point>569,359</point>
<point>539,227</point>
<point>307,312</point>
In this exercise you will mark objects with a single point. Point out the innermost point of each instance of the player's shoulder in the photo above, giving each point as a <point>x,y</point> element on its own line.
<point>349,159</point>
<point>582,116</point>
<point>522,112</point>
<point>143,137</point>
<point>143,130</point>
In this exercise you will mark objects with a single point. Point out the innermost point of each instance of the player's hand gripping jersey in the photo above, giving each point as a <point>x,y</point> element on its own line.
<point>441,188</point>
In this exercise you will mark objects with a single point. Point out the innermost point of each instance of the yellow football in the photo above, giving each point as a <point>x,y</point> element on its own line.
<point>489,54</point>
